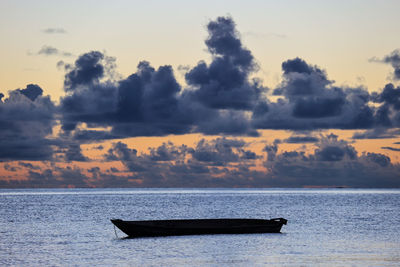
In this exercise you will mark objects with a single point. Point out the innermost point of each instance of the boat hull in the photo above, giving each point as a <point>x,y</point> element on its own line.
<point>198,227</point>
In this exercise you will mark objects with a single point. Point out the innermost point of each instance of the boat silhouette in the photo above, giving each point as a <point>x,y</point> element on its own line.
<point>198,226</point>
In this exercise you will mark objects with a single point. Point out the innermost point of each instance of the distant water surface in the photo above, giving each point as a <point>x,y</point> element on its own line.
<point>71,227</point>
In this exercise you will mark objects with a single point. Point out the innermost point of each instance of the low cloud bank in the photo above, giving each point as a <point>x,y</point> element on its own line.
<point>224,162</point>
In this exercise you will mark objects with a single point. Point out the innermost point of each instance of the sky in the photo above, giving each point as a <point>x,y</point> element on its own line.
<point>199,94</point>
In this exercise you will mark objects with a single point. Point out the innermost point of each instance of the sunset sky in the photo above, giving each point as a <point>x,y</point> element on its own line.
<point>199,94</point>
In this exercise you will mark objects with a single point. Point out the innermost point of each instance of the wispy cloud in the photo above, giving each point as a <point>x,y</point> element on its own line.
<point>52,51</point>
<point>54,31</point>
<point>391,148</point>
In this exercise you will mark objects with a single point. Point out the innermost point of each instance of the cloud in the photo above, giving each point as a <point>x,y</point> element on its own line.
<point>388,114</point>
<point>391,148</point>
<point>74,153</point>
<point>151,102</point>
<point>52,51</point>
<point>176,166</point>
<point>272,149</point>
<point>224,83</point>
<point>301,139</point>
<point>29,165</point>
<point>54,31</point>
<point>226,162</point>
<point>220,97</point>
<point>144,104</point>
<point>333,163</point>
<point>390,96</point>
<point>32,91</point>
<point>48,50</point>
<point>221,151</point>
<point>330,149</point>
<point>222,162</point>
<point>377,133</point>
<point>26,119</point>
<point>310,101</point>
<point>230,122</point>
<point>10,168</point>
<point>168,152</point>
<point>393,59</point>
<point>88,69</point>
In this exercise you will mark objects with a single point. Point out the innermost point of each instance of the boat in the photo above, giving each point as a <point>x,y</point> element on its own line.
<point>153,228</point>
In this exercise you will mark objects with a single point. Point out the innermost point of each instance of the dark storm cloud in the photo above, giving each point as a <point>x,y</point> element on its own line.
<point>332,149</point>
<point>87,100</point>
<point>388,114</point>
<point>144,104</point>
<point>220,151</point>
<point>26,119</point>
<point>150,102</point>
<point>393,59</point>
<point>220,98</point>
<point>32,91</point>
<point>167,152</point>
<point>74,153</point>
<point>311,101</point>
<point>88,69</point>
<point>298,65</point>
<point>89,136</point>
<point>224,83</point>
<point>390,96</point>
<point>318,107</point>
<point>230,122</point>
<point>302,79</point>
<point>54,31</point>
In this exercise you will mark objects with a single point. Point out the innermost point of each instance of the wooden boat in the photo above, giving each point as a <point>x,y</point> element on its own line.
<point>198,226</point>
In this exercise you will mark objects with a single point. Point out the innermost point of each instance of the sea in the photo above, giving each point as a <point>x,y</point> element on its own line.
<point>326,227</point>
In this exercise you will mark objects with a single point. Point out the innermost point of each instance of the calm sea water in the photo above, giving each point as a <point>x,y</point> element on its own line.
<point>71,227</point>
